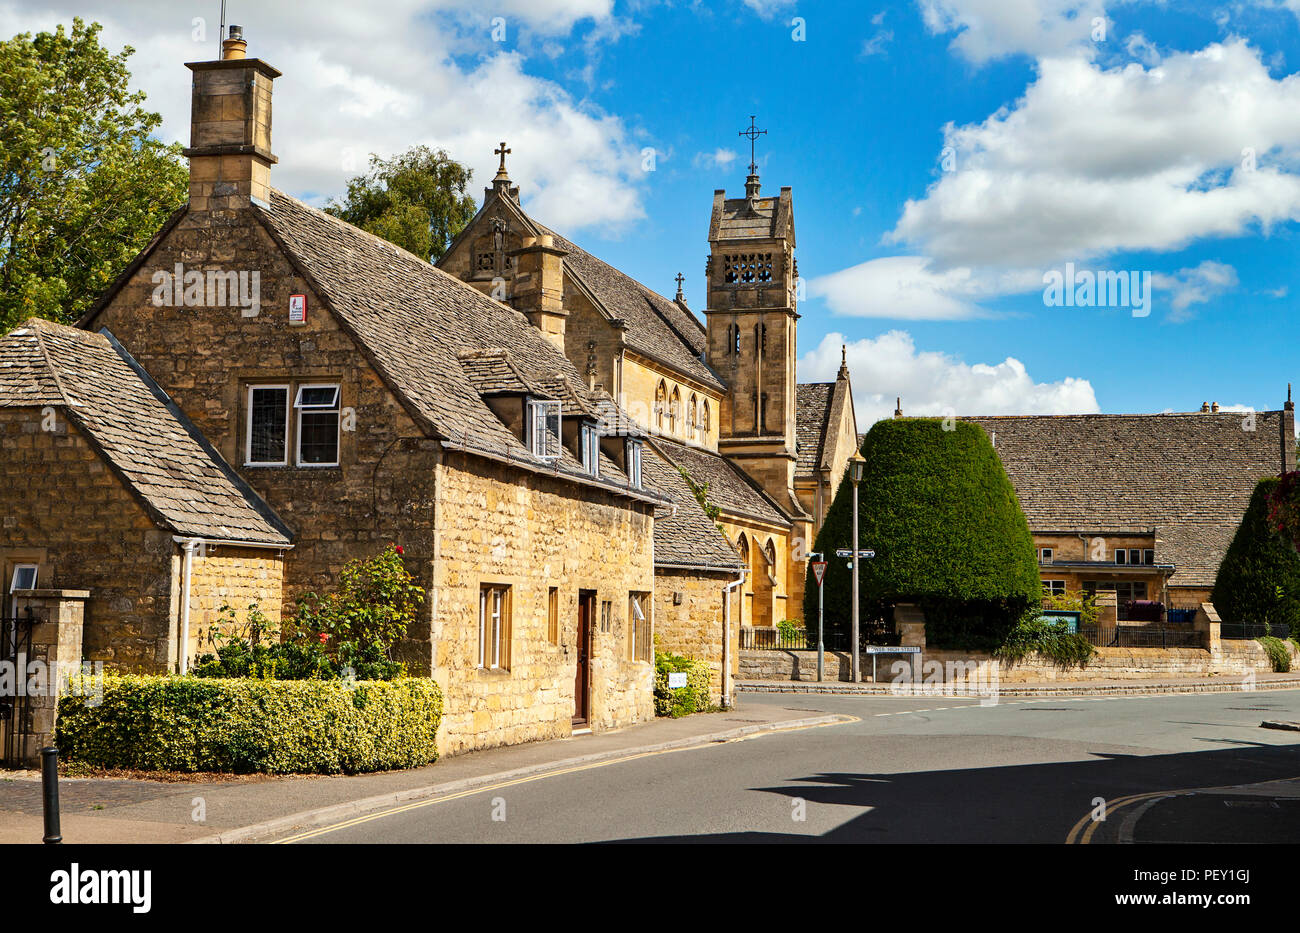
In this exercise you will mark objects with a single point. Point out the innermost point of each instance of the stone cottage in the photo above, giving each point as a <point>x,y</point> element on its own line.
<point>291,393</point>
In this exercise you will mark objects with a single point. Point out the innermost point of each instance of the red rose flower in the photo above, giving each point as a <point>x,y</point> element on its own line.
<point>399,549</point>
<point>324,638</point>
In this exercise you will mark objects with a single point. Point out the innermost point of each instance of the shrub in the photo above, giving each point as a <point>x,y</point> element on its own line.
<point>153,723</point>
<point>683,701</point>
<point>1259,579</point>
<point>791,630</point>
<point>1050,638</point>
<point>1278,656</point>
<point>1284,507</point>
<point>948,532</point>
<point>256,649</point>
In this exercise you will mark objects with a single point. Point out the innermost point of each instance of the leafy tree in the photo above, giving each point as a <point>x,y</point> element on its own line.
<point>1259,579</point>
<point>83,185</point>
<point>948,532</point>
<point>416,200</point>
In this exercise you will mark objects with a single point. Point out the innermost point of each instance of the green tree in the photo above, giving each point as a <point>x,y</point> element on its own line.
<point>1259,579</point>
<point>948,532</point>
<point>83,184</point>
<point>416,200</point>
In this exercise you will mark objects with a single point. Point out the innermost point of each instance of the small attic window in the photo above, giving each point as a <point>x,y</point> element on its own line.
<point>634,463</point>
<point>591,449</point>
<point>544,428</point>
<point>24,578</point>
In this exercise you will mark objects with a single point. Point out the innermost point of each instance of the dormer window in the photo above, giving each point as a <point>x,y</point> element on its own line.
<point>591,449</point>
<point>634,463</point>
<point>544,429</point>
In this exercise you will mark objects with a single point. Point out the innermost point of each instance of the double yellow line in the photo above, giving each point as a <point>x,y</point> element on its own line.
<point>419,804</point>
<point>1074,838</point>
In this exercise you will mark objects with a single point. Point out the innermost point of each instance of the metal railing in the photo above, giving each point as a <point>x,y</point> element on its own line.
<point>1244,630</point>
<point>1142,635</point>
<point>15,650</point>
<point>775,639</point>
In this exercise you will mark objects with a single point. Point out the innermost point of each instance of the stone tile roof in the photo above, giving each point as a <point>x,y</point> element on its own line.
<point>145,439</point>
<point>729,488</point>
<point>656,327</point>
<point>492,373</point>
<point>688,539</point>
<point>812,414</point>
<point>765,219</point>
<point>1187,476</point>
<point>419,326</point>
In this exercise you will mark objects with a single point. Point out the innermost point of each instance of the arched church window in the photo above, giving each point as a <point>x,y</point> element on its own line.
<point>692,418</point>
<point>742,548</point>
<point>705,419</point>
<point>661,402</point>
<point>674,411</point>
<point>769,552</point>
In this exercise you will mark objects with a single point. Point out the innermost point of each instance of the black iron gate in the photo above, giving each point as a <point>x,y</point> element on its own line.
<point>15,651</point>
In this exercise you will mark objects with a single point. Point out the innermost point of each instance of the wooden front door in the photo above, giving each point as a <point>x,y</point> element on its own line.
<point>582,680</point>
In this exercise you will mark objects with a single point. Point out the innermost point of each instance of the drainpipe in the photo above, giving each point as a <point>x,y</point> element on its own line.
<point>190,547</point>
<point>726,638</point>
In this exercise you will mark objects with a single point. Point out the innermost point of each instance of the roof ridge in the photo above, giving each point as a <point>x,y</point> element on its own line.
<point>49,365</point>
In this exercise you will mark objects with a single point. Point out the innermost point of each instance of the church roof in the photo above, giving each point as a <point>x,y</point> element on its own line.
<point>1188,477</point>
<point>688,539</point>
<point>662,330</point>
<point>435,340</point>
<point>812,415</point>
<point>178,477</point>
<point>759,219</point>
<point>728,486</point>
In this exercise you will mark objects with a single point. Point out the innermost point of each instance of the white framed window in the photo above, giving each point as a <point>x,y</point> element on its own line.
<point>634,449</point>
<point>1054,587</point>
<point>591,449</point>
<point>267,435</point>
<point>24,578</point>
<point>494,627</point>
<point>1045,555</point>
<point>1149,556</point>
<point>1134,556</point>
<point>1121,556</point>
<point>318,425</point>
<point>544,428</point>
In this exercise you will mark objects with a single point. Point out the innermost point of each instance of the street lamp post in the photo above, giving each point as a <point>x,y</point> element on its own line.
<point>857,466</point>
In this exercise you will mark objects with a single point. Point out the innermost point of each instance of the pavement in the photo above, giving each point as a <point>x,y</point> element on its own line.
<point>1132,687</point>
<point>227,809</point>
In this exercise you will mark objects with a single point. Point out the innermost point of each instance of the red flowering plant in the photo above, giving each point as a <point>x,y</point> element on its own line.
<point>366,616</point>
<point>1284,507</point>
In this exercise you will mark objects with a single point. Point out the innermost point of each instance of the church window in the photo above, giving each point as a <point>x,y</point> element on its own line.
<point>742,548</point>
<point>674,411</point>
<point>661,404</point>
<point>318,425</point>
<point>705,419</point>
<point>769,552</point>
<point>544,428</point>
<point>268,426</point>
<point>494,627</point>
<point>692,418</point>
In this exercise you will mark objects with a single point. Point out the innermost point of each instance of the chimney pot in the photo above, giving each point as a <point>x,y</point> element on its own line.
<point>1214,407</point>
<point>234,47</point>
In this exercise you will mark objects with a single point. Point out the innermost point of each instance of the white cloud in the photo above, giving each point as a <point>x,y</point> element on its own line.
<point>769,8</point>
<point>991,29</point>
<point>933,383</point>
<point>338,100</point>
<point>1196,286</point>
<point>718,158</point>
<point>1092,161</point>
<point>909,288</point>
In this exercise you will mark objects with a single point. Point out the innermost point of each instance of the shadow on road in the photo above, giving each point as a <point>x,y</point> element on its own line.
<point>1037,803</point>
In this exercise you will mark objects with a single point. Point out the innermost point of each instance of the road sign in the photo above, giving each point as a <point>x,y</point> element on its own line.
<point>819,570</point>
<point>848,552</point>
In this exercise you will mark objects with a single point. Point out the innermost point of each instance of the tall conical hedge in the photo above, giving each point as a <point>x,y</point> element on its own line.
<point>948,532</point>
<point>1259,562</point>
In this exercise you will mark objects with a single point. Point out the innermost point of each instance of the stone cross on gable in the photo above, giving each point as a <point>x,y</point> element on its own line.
<point>753,132</point>
<point>503,152</point>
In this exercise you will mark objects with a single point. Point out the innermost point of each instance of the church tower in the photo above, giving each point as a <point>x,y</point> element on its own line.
<point>752,317</point>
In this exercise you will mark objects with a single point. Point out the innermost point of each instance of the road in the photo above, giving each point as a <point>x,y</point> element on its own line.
<point>927,770</point>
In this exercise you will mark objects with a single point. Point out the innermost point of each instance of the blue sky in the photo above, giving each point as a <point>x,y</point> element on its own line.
<point>945,155</point>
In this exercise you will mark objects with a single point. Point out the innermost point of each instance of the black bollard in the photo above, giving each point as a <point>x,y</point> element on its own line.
<point>50,794</point>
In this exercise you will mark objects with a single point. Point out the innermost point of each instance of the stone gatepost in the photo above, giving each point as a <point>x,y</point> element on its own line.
<point>58,617</point>
<point>1107,609</point>
<point>909,622</point>
<point>1206,622</point>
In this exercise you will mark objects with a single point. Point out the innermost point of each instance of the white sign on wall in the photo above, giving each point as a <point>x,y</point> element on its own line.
<point>677,681</point>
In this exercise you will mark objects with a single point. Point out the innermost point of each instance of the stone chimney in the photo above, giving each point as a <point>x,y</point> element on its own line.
<point>1214,407</point>
<point>1205,407</point>
<point>230,129</point>
<point>538,286</point>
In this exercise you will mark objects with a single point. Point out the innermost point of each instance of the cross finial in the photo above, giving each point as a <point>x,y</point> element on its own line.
<point>680,279</point>
<point>503,152</point>
<point>753,132</point>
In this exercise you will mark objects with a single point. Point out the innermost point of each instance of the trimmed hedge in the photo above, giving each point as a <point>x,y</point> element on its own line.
<point>153,723</point>
<point>683,701</point>
<point>1259,579</point>
<point>948,532</point>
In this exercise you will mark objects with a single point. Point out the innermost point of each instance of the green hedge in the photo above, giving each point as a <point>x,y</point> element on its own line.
<point>683,701</point>
<point>1259,579</point>
<point>948,531</point>
<point>246,726</point>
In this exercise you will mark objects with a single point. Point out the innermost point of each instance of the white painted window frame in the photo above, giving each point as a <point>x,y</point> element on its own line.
<point>336,408</point>
<point>248,430</point>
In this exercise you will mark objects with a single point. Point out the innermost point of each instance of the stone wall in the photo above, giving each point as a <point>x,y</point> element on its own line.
<point>65,510</point>
<point>689,620</point>
<point>796,665</point>
<point>236,576</point>
<point>530,533</point>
